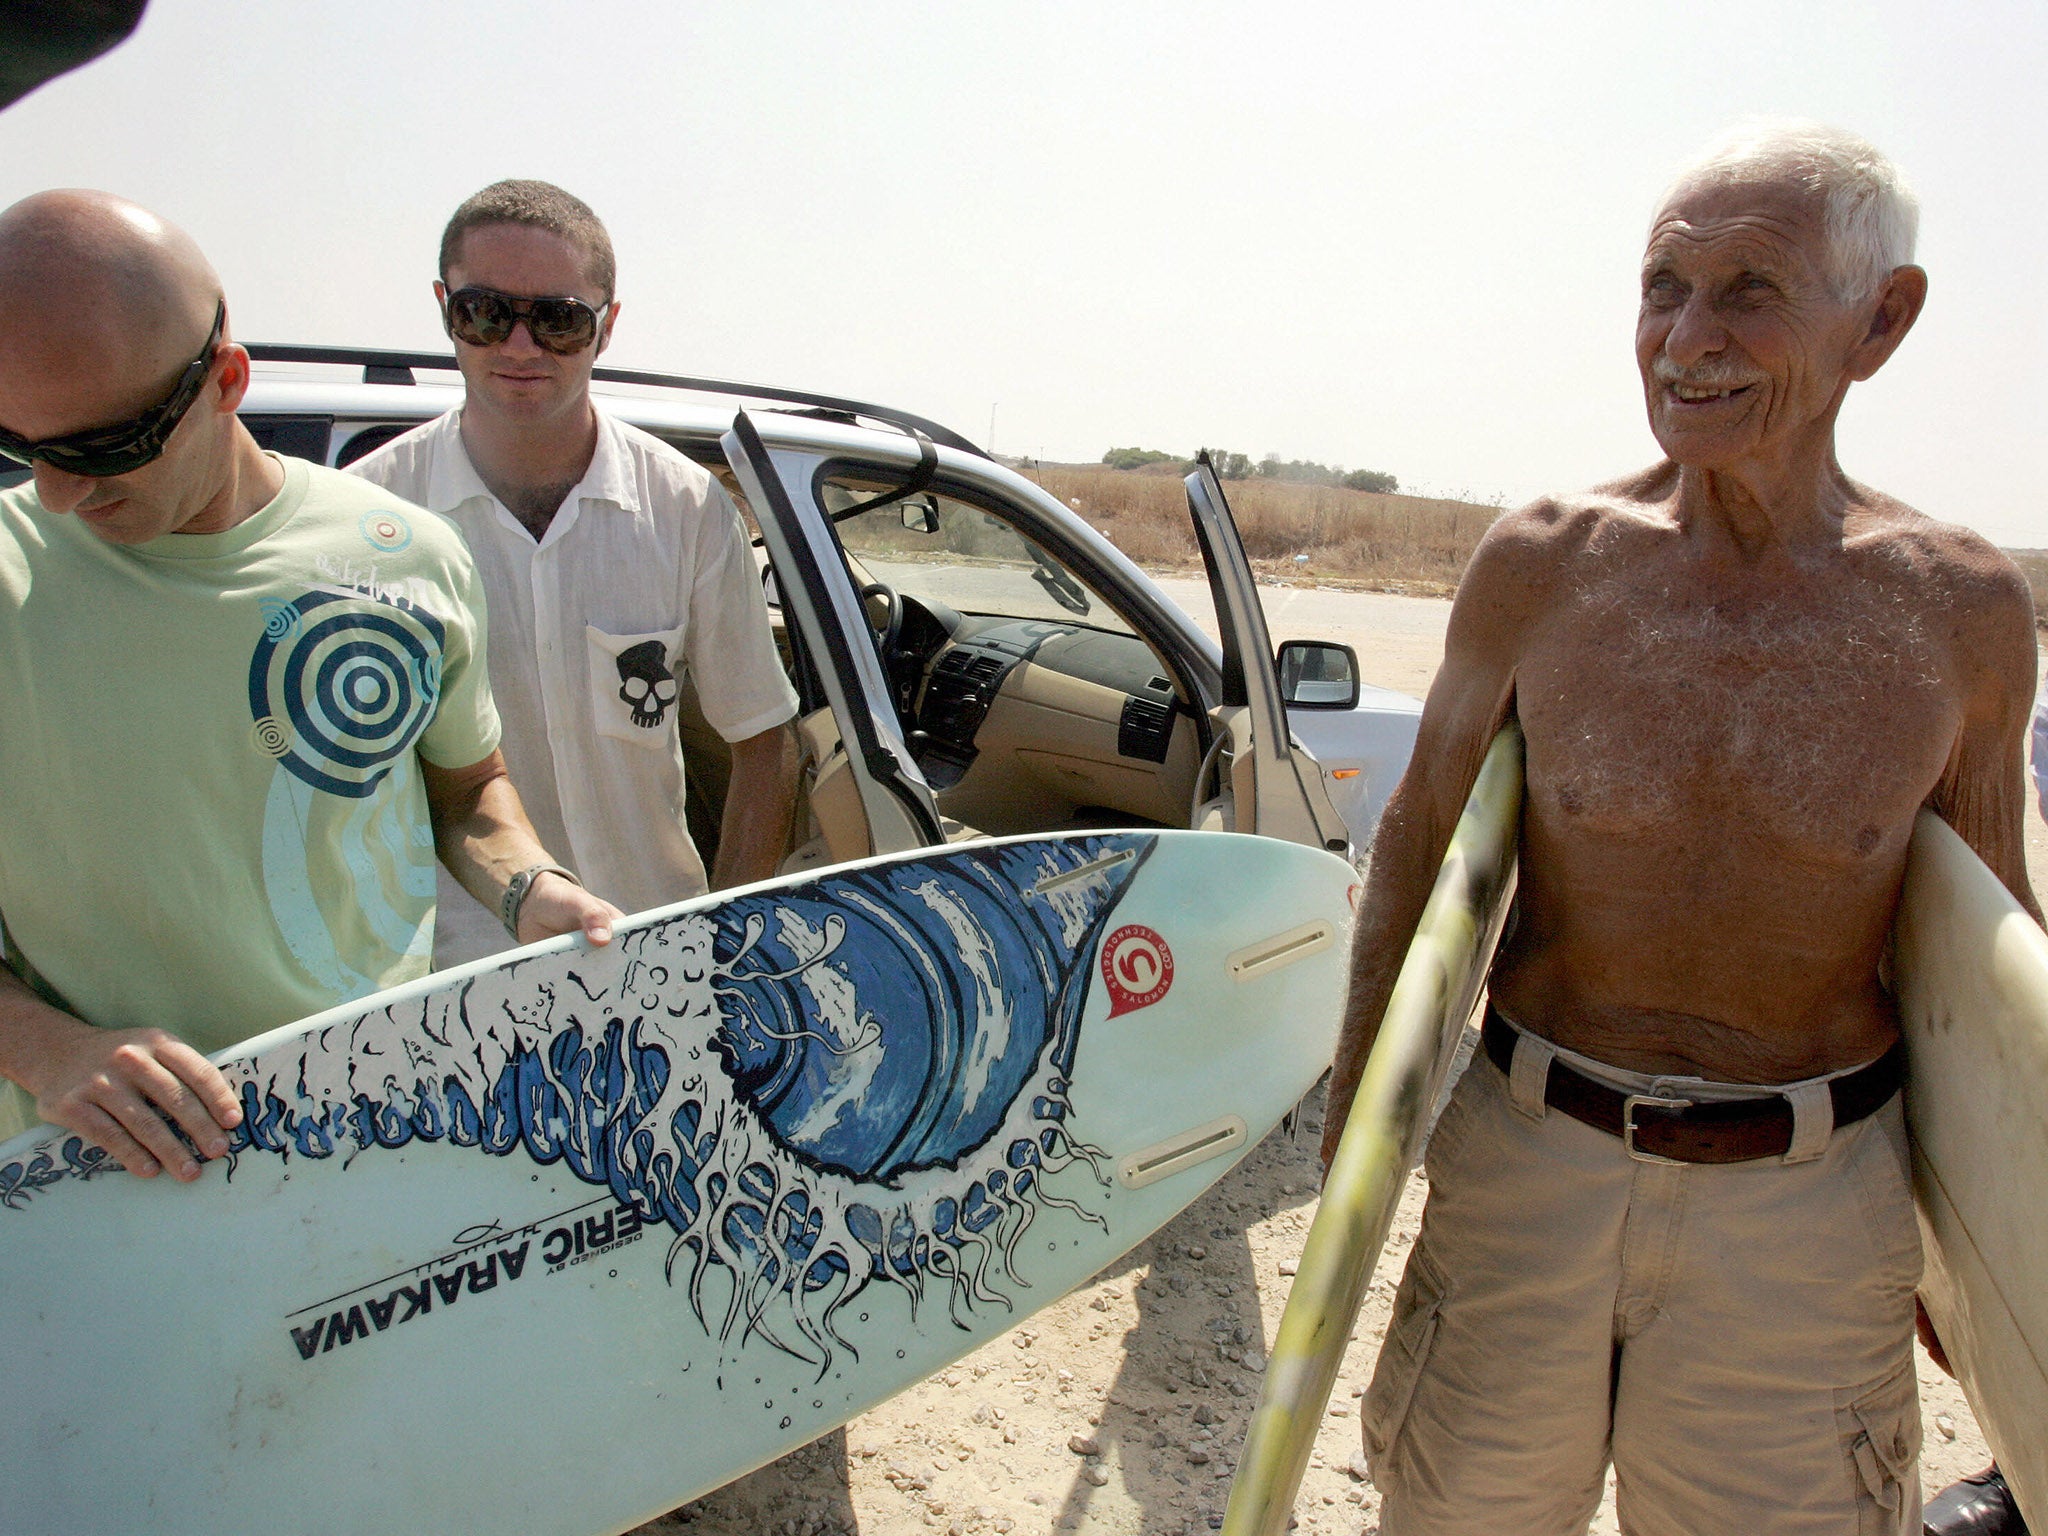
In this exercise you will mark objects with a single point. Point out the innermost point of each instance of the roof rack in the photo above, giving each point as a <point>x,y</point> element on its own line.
<point>383,367</point>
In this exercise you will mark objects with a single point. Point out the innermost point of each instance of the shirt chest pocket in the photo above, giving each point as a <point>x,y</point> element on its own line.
<point>633,685</point>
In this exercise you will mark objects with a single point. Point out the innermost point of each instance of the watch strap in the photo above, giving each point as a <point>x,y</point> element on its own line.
<point>517,887</point>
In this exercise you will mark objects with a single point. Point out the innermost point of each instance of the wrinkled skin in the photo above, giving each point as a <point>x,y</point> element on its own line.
<point>1740,675</point>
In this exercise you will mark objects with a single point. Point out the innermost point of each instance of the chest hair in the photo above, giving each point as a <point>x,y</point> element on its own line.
<point>1649,711</point>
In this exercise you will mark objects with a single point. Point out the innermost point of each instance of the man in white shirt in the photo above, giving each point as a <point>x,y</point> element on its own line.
<point>612,565</point>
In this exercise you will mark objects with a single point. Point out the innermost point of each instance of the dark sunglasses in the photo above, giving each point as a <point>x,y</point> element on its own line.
<point>483,317</point>
<point>127,445</point>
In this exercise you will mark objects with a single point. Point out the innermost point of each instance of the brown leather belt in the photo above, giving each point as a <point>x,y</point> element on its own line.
<point>1684,1131</point>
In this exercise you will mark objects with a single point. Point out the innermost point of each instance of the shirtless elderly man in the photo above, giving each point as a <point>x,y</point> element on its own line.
<point>1669,1220</point>
<point>242,703</point>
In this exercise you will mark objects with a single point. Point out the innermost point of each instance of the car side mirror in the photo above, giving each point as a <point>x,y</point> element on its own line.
<point>1318,674</point>
<point>770,592</point>
<point>921,514</point>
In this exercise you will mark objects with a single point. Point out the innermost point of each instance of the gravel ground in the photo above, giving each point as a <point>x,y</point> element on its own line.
<point>1120,1408</point>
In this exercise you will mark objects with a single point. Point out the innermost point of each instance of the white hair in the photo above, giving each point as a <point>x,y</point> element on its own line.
<point>1870,215</point>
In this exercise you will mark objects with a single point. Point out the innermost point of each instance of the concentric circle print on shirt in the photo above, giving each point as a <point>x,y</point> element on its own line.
<point>386,532</point>
<point>342,692</point>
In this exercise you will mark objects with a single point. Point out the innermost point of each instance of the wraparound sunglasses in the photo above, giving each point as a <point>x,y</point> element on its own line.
<point>127,445</point>
<point>483,317</point>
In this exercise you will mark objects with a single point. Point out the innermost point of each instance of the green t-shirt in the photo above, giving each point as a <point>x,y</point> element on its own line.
<point>212,817</point>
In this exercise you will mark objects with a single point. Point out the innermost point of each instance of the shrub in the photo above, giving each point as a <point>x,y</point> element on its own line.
<point>1136,458</point>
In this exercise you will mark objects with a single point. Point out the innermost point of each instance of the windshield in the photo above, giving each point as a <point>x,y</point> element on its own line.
<point>934,547</point>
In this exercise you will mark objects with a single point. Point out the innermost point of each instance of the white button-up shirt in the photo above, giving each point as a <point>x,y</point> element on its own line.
<point>644,574</point>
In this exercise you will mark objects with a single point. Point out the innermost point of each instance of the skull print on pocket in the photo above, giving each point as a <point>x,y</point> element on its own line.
<point>645,682</point>
<point>633,685</point>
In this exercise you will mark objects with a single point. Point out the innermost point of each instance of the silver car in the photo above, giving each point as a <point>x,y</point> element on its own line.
<point>972,657</point>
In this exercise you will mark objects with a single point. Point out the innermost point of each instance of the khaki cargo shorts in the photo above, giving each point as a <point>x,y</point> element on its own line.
<point>1737,1338</point>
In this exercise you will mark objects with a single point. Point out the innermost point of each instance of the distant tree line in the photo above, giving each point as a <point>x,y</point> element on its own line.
<point>1229,466</point>
<point>1370,480</point>
<point>1138,458</point>
<point>1239,466</point>
<point>1308,472</point>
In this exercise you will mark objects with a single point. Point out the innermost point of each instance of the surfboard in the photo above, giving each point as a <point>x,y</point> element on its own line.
<point>557,1242</point>
<point>1433,997</point>
<point>1971,973</point>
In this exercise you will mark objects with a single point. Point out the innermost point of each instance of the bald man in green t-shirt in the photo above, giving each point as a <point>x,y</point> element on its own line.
<point>243,706</point>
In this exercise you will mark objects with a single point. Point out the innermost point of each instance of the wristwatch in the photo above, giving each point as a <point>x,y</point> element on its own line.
<point>516,889</point>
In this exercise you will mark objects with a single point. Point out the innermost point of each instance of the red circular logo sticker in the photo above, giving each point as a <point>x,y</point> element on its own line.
<point>1137,967</point>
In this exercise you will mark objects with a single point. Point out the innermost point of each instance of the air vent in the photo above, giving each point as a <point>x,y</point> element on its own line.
<point>978,671</point>
<point>1145,730</point>
<point>963,685</point>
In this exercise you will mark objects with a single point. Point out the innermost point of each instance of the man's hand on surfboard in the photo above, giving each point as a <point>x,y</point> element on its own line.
<point>124,1090</point>
<point>556,906</point>
<point>483,836</point>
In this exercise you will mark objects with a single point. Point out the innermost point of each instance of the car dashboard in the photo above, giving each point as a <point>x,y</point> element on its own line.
<point>1024,724</point>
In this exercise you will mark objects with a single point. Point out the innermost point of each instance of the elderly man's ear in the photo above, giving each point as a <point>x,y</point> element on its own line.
<point>1898,306</point>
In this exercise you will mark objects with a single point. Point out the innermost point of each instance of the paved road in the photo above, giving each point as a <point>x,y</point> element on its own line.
<point>1399,640</point>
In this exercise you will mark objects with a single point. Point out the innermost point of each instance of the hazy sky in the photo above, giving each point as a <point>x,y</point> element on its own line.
<point>1395,237</point>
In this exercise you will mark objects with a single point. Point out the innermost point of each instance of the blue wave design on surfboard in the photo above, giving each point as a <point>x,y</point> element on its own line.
<point>859,1079</point>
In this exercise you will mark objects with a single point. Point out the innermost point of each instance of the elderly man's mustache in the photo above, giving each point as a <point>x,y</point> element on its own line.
<point>1711,375</point>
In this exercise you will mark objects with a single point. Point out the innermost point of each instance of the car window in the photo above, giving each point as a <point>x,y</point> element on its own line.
<point>937,547</point>
<point>303,437</point>
<point>369,440</point>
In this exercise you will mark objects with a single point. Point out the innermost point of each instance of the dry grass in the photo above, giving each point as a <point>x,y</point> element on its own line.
<point>1392,543</point>
<point>1398,543</point>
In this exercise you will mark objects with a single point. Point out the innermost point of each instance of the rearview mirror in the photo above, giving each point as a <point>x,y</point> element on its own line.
<point>1318,674</point>
<point>921,514</point>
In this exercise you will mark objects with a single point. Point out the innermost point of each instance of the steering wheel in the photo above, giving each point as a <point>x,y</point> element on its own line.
<point>891,629</point>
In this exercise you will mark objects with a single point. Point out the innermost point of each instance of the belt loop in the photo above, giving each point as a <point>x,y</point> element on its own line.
<point>1530,1074</point>
<point>1813,1121</point>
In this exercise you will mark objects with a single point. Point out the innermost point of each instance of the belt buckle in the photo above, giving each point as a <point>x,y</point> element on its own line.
<point>1628,1125</point>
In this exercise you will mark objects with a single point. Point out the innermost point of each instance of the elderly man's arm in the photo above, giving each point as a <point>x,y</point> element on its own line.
<point>121,1089</point>
<point>1982,792</point>
<point>483,836</point>
<point>1468,703</point>
<point>759,803</point>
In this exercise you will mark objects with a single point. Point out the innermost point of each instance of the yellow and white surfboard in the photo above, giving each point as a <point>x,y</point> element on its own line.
<point>1971,970</point>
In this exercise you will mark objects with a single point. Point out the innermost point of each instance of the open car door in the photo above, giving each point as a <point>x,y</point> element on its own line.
<point>819,600</point>
<point>1266,783</point>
